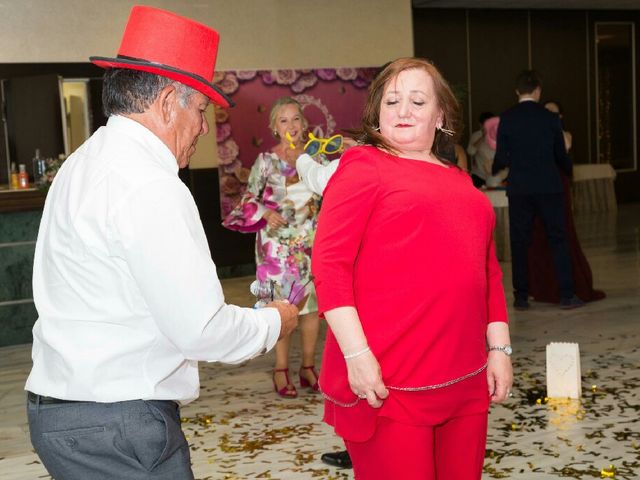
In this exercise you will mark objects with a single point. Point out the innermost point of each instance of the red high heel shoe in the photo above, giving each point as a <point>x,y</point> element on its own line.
<point>284,391</point>
<point>306,383</point>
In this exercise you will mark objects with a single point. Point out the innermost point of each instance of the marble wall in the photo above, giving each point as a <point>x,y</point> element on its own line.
<point>18,233</point>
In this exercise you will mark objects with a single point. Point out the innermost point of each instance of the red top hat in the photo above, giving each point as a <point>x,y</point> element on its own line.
<point>164,43</point>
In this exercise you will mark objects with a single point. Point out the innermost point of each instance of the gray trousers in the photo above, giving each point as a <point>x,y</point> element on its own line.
<point>134,440</point>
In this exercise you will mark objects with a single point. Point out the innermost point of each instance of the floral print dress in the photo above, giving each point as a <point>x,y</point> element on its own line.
<point>283,255</point>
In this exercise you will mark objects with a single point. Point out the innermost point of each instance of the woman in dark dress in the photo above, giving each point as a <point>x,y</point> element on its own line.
<point>543,285</point>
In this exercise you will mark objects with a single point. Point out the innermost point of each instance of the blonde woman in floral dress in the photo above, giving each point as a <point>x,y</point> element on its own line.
<point>283,213</point>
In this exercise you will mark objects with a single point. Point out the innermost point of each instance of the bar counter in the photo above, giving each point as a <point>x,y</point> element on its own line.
<point>20,212</point>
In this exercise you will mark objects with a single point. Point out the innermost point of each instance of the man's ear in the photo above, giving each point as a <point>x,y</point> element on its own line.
<point>167,102</point>
<point>517,93</point>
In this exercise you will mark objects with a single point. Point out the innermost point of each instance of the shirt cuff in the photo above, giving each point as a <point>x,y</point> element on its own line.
<point>303,163</point>
<point>272,317</point>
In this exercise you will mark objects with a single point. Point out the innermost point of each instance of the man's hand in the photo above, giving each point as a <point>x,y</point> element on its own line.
<point>288,316</point>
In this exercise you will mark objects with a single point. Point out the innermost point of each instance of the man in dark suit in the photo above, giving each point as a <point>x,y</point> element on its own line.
<point>531,144</point>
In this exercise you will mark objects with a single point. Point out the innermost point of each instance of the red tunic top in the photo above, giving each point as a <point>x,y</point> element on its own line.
<point>409,244</point>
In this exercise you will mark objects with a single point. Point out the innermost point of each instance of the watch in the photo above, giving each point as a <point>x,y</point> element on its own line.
<point>506,349</point>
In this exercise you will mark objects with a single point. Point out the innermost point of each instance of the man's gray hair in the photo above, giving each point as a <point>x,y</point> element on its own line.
<point>127,91</point>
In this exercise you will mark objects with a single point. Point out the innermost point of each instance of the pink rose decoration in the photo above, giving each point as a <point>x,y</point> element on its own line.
<point>230,168</point>
<point>230,185</point>
<point>223,131</point>
<point>267,78</point>
<point>346,73</point>
<point>221,114</point>
<point>229,84</point>
<point>217,77</point>
<point>242,174</point>
<point>304,81</point>
<point>228,151</point>
<point>327,74</point>
<point>244,75</point>
<point>364,78</point>
<point>285,77</point>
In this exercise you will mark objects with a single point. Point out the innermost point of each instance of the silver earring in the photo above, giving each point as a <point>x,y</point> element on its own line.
<point>377,129</point>
<point>446,131</point>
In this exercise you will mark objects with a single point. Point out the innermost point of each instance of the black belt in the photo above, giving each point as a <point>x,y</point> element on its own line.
<point>35,398</point>
<point>41,399</point>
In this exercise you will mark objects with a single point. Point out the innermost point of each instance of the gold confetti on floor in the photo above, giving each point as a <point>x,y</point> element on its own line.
<point>240,429</point>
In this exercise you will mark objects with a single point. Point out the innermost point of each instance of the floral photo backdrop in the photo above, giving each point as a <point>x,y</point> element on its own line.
<point>332,100</point>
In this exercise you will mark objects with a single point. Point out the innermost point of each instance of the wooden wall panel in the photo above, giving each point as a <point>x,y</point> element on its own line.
<point>559,54</point>
<point>441,36</point>
<point>498,45</point>
<point>626,182</point>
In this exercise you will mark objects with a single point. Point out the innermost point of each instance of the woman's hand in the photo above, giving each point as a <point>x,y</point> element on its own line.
<point>274,219</point>
<point>365,379</point>
<point>499,376</point>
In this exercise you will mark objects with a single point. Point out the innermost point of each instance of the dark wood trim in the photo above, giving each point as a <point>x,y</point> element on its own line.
<point>21,200</point>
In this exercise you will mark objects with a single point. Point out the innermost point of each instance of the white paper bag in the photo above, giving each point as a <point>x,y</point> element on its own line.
<point>563,370</point>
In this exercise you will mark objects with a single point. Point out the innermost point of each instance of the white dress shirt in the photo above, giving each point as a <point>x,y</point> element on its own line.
<point>126,291</point>
<point>313,174</point>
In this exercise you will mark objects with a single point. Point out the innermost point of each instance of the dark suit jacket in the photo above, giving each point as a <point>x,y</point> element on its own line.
<point>531,144</point>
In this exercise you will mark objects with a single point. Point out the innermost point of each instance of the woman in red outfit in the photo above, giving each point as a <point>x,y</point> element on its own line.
<point>407,278</point>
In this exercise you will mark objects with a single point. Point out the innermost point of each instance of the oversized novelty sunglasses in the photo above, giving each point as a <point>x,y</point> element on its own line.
<point>317,145</point>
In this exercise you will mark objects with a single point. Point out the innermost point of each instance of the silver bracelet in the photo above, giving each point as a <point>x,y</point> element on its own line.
<point>358,353</point>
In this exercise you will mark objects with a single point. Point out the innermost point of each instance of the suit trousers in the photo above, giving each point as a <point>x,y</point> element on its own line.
<point>522,212</point>
<point>136,440</point>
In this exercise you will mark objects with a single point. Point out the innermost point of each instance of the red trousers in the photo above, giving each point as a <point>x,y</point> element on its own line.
<point>453,450</point>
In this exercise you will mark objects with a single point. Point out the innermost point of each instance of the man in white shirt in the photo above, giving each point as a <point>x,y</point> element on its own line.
<point>126,291</point>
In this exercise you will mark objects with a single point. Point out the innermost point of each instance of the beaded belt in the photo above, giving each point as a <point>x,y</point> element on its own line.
<point>410,389</point>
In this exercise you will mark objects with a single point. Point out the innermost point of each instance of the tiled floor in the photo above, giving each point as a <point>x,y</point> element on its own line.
<point>239,429</point>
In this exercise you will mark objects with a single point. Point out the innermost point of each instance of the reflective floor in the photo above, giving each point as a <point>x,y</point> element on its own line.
<point>239,429</point>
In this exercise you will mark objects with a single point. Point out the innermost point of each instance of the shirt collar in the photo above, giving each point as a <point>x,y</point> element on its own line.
<point>142,134</point>
<point>526,99</point>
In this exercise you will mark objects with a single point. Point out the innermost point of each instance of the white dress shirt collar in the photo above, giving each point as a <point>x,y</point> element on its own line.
<point>137,131</point>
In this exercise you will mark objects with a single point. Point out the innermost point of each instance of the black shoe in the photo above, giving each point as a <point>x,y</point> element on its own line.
<point>521,304</point>
<point>569,303</point>
<point>337,459</point>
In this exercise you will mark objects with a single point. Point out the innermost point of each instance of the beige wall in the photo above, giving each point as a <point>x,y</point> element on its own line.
<point>255,34</point>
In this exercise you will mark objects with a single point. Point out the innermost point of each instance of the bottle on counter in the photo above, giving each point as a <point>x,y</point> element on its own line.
<point>23,176</point>
<point>15,182</point>
<point>39,166</point>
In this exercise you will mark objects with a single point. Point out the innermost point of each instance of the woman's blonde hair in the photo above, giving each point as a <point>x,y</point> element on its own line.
<point>447,102</point>
<point>279,103</point>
